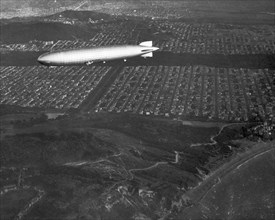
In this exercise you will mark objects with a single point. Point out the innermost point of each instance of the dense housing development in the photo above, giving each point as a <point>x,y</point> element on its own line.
<point>63,87</point>
<point>170,91</point>
<point>202,91</point>
<point>176,37</point>
<point>168,87</point>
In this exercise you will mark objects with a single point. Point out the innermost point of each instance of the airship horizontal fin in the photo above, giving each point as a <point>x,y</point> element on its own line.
<point>147,55</point>
<point>146,43</point>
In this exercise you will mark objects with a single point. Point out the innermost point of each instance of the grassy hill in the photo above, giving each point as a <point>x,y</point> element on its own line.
<point>24,32</point>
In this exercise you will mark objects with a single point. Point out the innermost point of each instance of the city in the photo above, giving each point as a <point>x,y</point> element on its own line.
<point>63,87</point>
<point>201,92</point>
<point>176,37</point>
<point>197,91</point>
<point>176,121</point>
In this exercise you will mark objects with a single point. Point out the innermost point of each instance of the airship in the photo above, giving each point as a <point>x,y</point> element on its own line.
<point>89,56</point>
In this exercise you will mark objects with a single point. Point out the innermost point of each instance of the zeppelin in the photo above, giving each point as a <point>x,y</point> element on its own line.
<point>89,56</point>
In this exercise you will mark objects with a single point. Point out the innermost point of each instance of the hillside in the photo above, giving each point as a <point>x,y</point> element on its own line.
<point>21,33</point>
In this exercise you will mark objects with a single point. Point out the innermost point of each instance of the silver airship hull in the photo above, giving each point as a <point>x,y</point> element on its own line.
<point>98,54</point>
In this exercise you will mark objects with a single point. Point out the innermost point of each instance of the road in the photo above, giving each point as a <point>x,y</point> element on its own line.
<point>146,168</point>
<point>196,194</point>
<point>212,139</point>
<point>26,209</point>
<point>80,5</point>
<point>103,86</point>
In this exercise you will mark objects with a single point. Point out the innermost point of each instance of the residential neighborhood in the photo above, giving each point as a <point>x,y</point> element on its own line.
<point>195,91</point>
<point>36,86</point>
<point>175,37</point>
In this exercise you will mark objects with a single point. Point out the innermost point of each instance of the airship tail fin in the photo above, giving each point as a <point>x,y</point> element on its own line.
<point>147,55</point>
<point>146,43</point>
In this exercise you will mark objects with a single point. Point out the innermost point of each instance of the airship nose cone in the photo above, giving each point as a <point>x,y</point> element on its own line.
<point>43,59</point>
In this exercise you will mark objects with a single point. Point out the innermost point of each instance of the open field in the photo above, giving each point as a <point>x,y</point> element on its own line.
<point>124,165</point>
<point>96,159</point>
<point>14,201</point>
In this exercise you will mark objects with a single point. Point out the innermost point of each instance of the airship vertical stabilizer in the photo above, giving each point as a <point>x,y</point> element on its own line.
<point>147,55</point>
<point>146,44</point>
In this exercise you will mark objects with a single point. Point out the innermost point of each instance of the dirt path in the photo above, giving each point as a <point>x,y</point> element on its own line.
<point>212,139</point>
<point>27,208</point>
